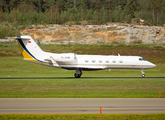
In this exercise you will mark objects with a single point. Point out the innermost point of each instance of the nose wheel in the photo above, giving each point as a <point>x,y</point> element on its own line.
<point>143,74</point>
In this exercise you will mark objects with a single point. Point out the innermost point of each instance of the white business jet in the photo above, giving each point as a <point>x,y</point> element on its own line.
<point>71,61</point>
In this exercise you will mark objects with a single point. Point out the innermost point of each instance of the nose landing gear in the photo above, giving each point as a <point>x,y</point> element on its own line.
<point>143,74</point>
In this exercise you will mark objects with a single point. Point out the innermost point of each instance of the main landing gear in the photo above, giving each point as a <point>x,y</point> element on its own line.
<point>143,74</point>
<point>78,73</point>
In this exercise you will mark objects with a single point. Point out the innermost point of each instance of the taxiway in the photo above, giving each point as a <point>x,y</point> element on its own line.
<point>81,105</point>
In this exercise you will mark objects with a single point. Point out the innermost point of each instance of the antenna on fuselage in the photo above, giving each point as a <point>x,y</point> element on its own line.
<point>118,54</point>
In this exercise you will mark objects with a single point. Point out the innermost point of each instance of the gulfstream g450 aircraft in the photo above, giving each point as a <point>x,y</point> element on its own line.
<point>71,61</point>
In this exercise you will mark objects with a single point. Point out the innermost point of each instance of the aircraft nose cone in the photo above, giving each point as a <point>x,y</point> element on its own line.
<point>153,65</point>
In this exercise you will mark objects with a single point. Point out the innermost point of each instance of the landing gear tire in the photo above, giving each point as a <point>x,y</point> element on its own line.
<point>143,75</point>
<point>77,75</point>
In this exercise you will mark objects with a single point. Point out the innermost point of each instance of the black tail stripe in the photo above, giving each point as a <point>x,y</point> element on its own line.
<point>23,46</point>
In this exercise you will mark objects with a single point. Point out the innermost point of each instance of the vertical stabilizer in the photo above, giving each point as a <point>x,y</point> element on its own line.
<point>30,50</point>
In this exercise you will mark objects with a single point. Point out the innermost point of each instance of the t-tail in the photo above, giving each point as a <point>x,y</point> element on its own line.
<point>30,50</point>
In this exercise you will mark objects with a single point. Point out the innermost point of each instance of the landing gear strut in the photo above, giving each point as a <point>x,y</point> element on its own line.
<point>143,74</point>
<point>78,73</point>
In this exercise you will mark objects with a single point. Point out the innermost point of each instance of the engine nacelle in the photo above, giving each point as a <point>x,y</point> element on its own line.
<point>65,58</point>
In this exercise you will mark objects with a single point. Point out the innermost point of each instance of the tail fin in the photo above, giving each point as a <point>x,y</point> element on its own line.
<point>30,50</point>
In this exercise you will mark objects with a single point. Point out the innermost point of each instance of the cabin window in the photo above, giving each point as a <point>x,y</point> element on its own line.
<point>107,61</point>
<point>86,61</point>
<point>121,61</point>
<point>93,61</point>
<point>100,61</point>
<point>114,61</point>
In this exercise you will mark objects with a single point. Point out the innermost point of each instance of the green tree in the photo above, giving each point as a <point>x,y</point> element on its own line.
<point>69,4</point>
<point>103,15</point>
<point>89,14</point>
<point>95,17</point>
<point>82,9</point>
<point>61,5</point>
<point>2,5</point>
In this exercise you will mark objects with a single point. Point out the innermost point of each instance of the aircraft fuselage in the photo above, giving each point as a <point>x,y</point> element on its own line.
<point>71,61</point>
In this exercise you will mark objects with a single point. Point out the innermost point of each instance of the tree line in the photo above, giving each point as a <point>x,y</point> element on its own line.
<point>92,11</point>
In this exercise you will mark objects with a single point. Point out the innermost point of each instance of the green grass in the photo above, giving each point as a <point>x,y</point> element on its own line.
<point>153,53</point>
<point>85,117</point>
<point>92,88</point>
<point>12,65</point>
<point>16,67</point>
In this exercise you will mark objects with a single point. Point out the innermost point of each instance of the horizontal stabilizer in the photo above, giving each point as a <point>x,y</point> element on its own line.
<point>21,37</point>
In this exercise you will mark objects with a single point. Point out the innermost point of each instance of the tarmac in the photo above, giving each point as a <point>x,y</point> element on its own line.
<point>82,105</point>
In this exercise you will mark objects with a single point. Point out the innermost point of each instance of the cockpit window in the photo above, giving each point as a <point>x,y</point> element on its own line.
<point>142,59</point>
